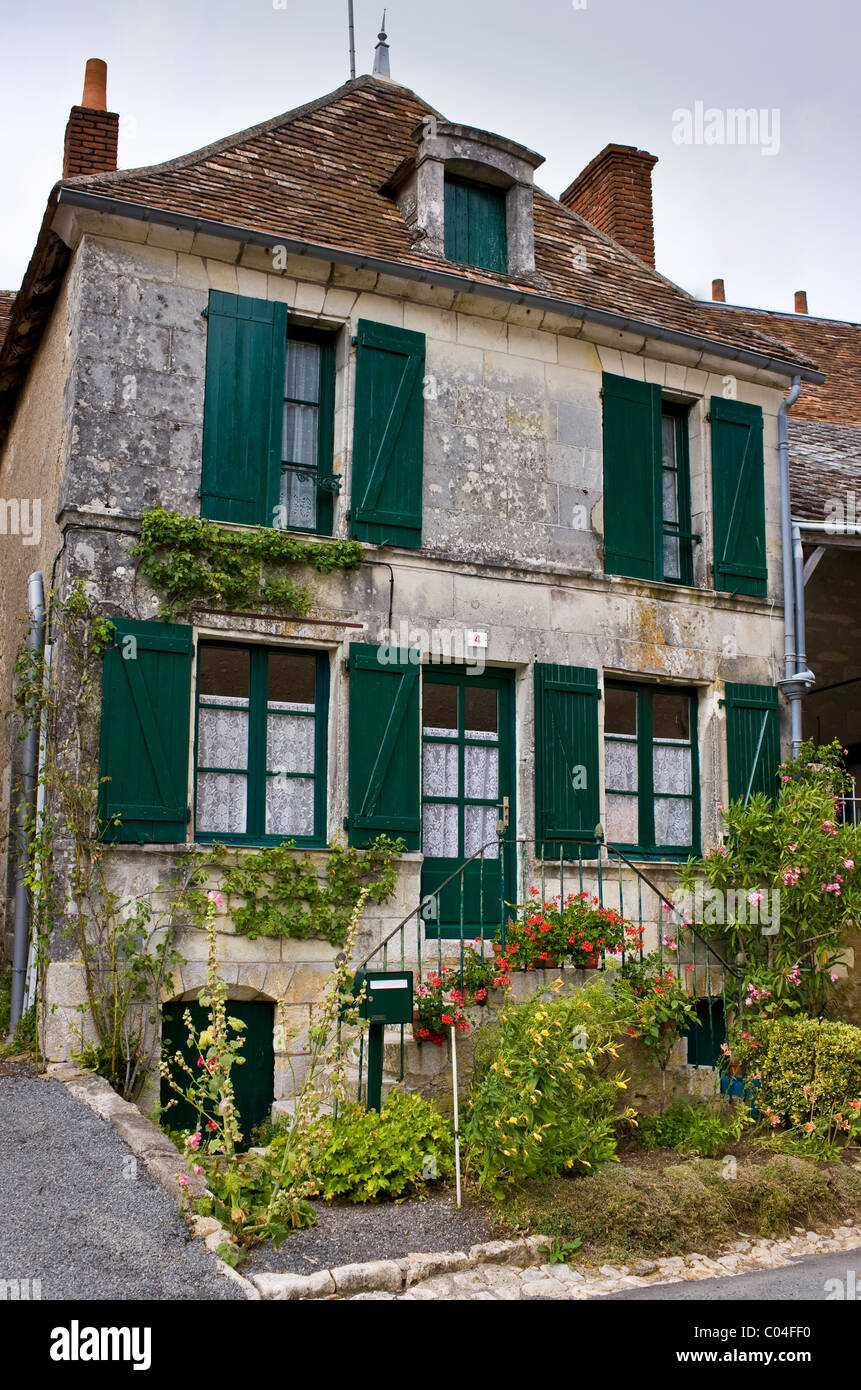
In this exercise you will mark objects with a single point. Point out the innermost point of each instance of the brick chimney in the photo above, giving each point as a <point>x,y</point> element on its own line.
<point>801,301</point>
<point>92,130</point>
<point>614,193</point>
<point>718,292</point>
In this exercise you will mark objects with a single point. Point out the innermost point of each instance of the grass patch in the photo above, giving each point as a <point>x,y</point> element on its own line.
<point>632,1210</point>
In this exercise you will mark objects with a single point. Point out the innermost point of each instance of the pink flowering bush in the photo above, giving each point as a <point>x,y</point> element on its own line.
<point>794,854</point>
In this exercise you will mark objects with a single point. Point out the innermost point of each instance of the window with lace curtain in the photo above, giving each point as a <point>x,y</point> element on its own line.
<point>261,744</point>
<point>650,769</point>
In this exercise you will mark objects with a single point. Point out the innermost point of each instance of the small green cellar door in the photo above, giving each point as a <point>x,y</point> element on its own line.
<point>253,1082</point>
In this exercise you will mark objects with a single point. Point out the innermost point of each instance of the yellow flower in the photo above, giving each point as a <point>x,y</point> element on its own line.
<point>536,1134</point>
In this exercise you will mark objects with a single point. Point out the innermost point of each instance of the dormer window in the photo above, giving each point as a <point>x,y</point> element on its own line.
<point>467,197</point>
<point>475,231</point>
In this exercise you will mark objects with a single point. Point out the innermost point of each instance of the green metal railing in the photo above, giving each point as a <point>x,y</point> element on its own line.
<point>607,873</point>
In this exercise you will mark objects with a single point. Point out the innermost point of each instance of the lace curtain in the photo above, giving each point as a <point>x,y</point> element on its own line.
<point>440,838</point>
<point>223,743</point>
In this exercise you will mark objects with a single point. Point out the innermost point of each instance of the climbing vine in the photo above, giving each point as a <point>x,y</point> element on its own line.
<point>277,891</point>
<point>186,558</point>
<point>124,944</point>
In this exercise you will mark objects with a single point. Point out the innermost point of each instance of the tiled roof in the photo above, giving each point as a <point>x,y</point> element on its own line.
<point>824,462</point>
<point>833,345</point>
<point>316,173</point>
<point>7,298</point>
<point>825,422</point>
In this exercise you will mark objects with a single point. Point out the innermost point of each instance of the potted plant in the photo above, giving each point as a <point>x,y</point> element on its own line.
<point>438,1006</point>
<point>549,933</point>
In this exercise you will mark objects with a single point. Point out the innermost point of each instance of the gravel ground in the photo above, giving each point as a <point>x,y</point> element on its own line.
<point>71,1217</point>
<point>352,1233</point>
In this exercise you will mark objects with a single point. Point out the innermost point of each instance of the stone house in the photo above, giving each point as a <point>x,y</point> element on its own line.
<point>362,322</point>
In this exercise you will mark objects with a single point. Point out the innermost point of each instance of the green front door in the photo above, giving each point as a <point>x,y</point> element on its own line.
<point>253,1081</point>
<point>467,771</point>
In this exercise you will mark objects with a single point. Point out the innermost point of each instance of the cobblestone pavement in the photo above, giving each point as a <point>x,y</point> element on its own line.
<point>491,1282</point>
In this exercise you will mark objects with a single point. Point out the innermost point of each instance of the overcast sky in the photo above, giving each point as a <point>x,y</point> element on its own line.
<point>562,76</point>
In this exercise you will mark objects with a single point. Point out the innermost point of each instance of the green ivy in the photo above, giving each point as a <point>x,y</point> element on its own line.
<point>276,891</point>
<point>187,558</point>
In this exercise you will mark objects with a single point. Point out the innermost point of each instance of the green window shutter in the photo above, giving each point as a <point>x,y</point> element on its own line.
<point>242,413</point>
<point>633,528</point>
<point>567,805</point>
<point>384,763</point>
<point>738,490</point>
<point>475,224</point>
<point>388,440</point>
<point>146,701</point>
<point>752,739</point>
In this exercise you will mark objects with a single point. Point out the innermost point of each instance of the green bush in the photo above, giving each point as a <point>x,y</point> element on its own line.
<point>545,1094</point>
<point>820,1054</point>
<point>363,1156</point>
<point>702,1128</point>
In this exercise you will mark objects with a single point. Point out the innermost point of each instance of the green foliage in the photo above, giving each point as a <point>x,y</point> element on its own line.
<point>808,1069</point>
<point>794,845</point>
<point>251,1200</point>
<point>561,1252</point>
<point>544,1102</point>
<point>363,1156</point>
<point>187,558</point>
<point>659,1003</point>
<point>702,1128</point>
<point>276,891</point>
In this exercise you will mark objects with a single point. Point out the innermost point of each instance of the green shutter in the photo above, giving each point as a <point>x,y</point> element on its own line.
<point>146,703</point>
<point>475,224</point>
<point>752,739</point>
<point>633,530</point>
<point>567,805</point>
<point>384,763</point>
<point>243,408</point>
<point>388,441</point>
<point>738,489</point>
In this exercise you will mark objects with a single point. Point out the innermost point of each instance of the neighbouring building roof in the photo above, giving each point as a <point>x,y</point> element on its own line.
<point>825,422</point>
<point>318,174</point>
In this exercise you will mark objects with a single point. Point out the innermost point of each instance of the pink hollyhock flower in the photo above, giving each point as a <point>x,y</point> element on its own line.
<point>183,1180</point>
<point>217,898</point>
<point>198,1170</point>
<point>849,863</point>
<point>194,1140</point>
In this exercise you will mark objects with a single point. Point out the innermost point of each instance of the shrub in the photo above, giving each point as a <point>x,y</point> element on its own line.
<point>545,1096</point>
<point>626,1211</point>
<point>363,1155</point>
<point>807,1067</point>
<point>701,1128</point>
<point>797,846</point>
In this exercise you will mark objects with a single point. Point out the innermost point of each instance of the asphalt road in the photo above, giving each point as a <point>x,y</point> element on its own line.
<point>804,1279</point>
<point>78,1211</point>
